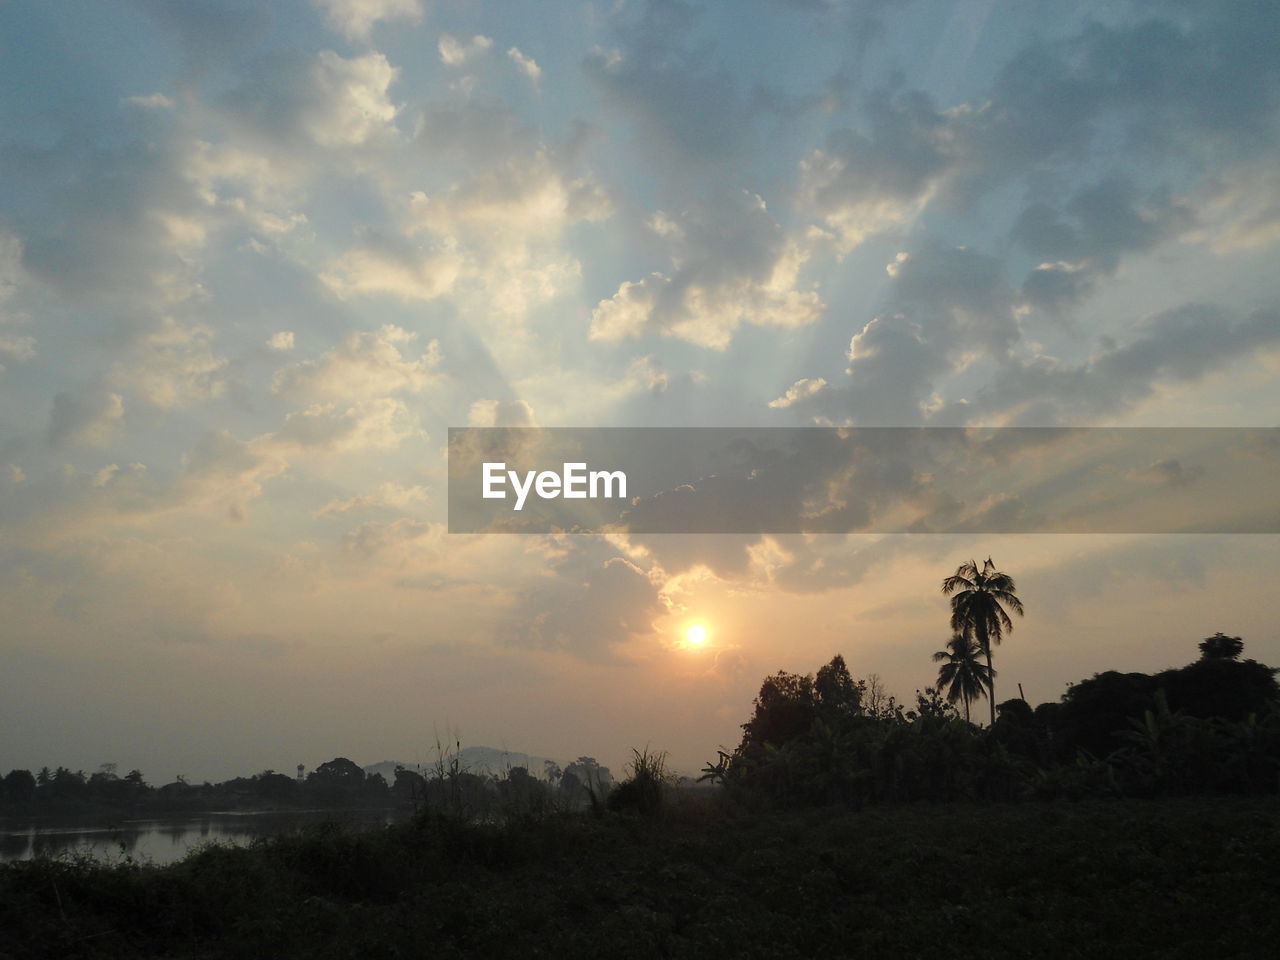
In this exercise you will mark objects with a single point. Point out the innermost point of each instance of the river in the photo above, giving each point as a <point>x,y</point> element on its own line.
<point>166,839</point>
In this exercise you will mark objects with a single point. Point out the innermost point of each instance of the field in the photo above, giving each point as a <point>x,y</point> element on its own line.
<point>1168,878</point>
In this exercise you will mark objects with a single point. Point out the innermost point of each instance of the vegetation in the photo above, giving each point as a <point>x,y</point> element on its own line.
<point>1211,727</point>
<point>1171,878</point>
<point>962,676</point>
<point>338,784</point>
<point>978,602</point>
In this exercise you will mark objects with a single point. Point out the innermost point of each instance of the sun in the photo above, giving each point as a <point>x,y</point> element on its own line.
<point>696,635</point>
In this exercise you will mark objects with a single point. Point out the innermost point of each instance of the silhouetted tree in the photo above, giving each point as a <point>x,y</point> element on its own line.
<point>1221,647</point>
<point>409,787</point>
<point>962,676</point>
<point>784,710</point>
<point>836,693</point>
<point>978,601</point>
<point>1095,710</point>
<point>19,787</point>
<point>1220,684</point>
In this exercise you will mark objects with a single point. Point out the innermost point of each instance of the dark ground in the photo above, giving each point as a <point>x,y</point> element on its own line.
<point>1127,879</point>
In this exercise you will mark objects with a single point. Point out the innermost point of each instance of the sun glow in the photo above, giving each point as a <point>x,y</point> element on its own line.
<point>696,635</point>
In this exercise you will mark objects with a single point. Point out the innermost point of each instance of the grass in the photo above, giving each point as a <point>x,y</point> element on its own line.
<point>1170,879</point>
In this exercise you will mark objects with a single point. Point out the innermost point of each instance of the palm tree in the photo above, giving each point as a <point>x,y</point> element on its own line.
<point>962,675</point>
<point>978,601</point>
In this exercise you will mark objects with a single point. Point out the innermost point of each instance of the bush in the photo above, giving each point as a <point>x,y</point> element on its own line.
<point>645,789</point>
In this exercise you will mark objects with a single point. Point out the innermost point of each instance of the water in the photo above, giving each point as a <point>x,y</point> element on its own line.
<point>165,840</point>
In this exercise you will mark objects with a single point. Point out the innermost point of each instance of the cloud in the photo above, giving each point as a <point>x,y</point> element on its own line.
<point>16,347</point>
<point>173,365</point>
<point>327,100</point>
<point>1176,346</point>
<point>499,413</point>
<point>381,424</point>
<point>1170,472</point>
<point>1169,87</point>
<point>1103,222</point>
<point>393,265</point>
<point>389,495</point>
<point>526,65</point>
<point>403,545</point>
<point>664,84</point>
<point>282,340</point>
<point>495,234</point>
<point>369,363</point>
<point>355,19</point>
<point>455,53</point>
<point>511,204</point>
<point>88,417</point>
<point>152,101</point>
<point>946,308</point>
<point>860,184</point>
<point>1239,209</point>
<point>731,264</point>
<point>799,390</point>
<point>224,472</point>
<point>596,601</point>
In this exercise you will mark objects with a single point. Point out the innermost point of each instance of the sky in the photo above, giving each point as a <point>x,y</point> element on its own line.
<point>257,259</point>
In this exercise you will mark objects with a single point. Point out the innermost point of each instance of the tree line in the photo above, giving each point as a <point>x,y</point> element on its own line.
<point>336,784</point>
<point>1212,726</point>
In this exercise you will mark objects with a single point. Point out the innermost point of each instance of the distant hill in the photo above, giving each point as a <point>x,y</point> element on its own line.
<point>480,760</point>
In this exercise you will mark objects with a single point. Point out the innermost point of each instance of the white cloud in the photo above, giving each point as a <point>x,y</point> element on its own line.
<point>497,234</point>
<point>173,365</point>
<point>454,53</point>
<point>511,204</point>
<point>355,19</point>
<point>381,424</point>
<point>732,264</point>
<point>282,340</point>
<point>527,65</point>
<point>799,390</point>
<point>371,363</point>
<point>152,101</point>
<point>392,266</point>
<point>351,105</point>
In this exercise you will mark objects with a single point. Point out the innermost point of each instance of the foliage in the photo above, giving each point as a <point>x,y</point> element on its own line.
<point>964,677</point>
<point>1212,726</point>
<point>645,790</point>
<point>978,609</point>
<point>1128,880</point>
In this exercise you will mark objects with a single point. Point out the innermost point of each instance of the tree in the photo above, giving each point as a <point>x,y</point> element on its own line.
<point>784,711</point>
<point>962,676</point>
<point>836,692</point>
<point>978,601</point>
<point>1221,647</point>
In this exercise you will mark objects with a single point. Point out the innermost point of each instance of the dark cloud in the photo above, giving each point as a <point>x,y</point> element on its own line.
<point>597,600</point>
<point>1177,346</point>
<point>1084,243</point>
<point>944,306</point>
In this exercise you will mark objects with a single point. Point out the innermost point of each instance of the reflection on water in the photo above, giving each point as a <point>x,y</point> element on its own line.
<point>165,840</point>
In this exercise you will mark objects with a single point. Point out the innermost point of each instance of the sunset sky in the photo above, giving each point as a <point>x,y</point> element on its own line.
<point>256,259</point>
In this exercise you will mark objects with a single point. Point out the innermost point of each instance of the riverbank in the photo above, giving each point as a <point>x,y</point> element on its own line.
<point>1171,878</point>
